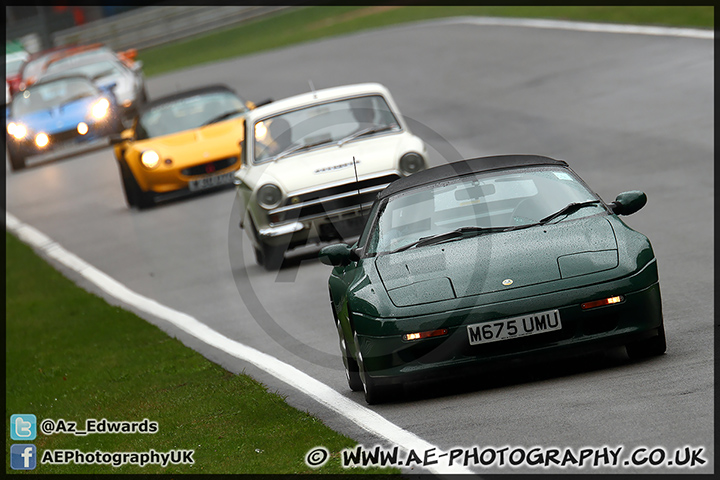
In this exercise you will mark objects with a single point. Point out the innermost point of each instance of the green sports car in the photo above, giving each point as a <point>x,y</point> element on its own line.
<point>486,260</point>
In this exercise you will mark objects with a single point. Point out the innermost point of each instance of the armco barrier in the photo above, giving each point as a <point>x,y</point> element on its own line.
<point>151,26</point>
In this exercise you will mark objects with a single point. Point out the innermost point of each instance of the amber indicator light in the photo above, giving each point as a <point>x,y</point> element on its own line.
<point>602,303</point>
<point>431,333</point>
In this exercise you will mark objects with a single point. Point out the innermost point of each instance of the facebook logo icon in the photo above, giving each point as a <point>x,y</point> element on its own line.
<point>23,426</point>
<point>22,457</point>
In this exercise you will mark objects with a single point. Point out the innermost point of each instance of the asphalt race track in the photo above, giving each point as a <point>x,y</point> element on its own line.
<point>626,112</point>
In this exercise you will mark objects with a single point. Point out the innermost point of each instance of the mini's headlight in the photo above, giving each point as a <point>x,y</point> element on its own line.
<point>17,130</point>
<point>100,108</point>
<point>150,159</point>
<point>41,140</point>
<point>269,196</point>
<point>411,163</point>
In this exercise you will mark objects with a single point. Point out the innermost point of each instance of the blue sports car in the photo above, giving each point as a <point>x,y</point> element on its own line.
<point>57,112</point>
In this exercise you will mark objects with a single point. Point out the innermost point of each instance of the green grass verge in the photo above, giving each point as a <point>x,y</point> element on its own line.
<point>312,23</point>
<point>70,355</point>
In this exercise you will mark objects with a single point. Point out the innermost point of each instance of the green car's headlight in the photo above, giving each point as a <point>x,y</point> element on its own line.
<point>100,108</point>
<point>150,159</point>
<point>411,163</point>
<point>269,196</point>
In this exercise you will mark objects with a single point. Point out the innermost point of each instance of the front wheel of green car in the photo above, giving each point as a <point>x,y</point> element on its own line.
<point>648,347</point>
<point>352,372</point>
<point>374,393</point>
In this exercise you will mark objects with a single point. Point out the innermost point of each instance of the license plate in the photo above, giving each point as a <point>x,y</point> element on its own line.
<point>516,327</point>
<point>211,181</point>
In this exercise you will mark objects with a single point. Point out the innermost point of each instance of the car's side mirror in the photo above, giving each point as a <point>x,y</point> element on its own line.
<point>338,255</point>
<point>137,65</point>
<point>628,203</point>
<point>116,138</point>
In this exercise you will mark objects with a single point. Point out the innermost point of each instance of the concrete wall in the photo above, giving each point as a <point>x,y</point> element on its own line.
<point>151,26</point>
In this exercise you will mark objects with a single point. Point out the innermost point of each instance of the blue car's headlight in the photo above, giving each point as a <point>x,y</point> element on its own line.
<point>17,130</point>
<point>100,109</point>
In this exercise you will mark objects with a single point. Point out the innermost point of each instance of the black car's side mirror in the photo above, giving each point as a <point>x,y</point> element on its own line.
<point>628,203</point>
<point>337,255</point>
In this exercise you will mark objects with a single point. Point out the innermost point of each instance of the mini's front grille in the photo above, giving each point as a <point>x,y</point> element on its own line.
<point>344,188</point>
<point>340,198</point>
<point>209,167</point>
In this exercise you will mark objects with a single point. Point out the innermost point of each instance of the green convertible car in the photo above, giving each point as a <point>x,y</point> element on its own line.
<point>485,260</point>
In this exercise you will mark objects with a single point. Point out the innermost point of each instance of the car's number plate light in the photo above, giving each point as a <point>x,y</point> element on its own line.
<point>516,327</point>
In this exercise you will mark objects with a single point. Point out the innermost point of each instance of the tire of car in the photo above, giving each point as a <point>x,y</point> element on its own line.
<point>649,347</point>
<point>272,256</point>
<point>259,259</point>
<point>352,371</point>
<point>17,161</point>
<point>134,196</point>
<point>374,393</point>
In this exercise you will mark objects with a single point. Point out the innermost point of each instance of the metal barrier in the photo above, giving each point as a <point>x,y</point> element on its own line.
<point>152,26</point>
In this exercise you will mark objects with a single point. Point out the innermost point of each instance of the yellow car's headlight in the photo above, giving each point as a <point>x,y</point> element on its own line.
<point>100,108</point>
<point>17,130</point>
<point>150,159</point>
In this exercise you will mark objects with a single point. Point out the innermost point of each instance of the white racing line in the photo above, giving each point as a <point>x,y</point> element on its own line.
<point>360,415</point>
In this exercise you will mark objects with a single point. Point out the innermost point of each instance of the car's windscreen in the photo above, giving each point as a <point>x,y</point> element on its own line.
<point>94,71</point>
<point>493,201</point>
<point>322,124</point>
<point>46,96</point>
<point>188,113</point>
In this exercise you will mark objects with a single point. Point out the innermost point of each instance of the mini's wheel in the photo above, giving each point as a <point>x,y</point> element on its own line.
<point>273,256</point>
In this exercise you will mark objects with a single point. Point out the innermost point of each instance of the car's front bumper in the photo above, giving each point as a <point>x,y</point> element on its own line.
<point>172,177</point>
<point>390,360</point>
<point>65,139</point>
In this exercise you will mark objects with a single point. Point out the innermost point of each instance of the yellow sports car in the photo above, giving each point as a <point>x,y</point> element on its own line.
<point>181,143</point>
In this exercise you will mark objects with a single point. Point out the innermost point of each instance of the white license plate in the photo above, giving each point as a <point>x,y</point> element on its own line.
<point>211,181</point>
<point>516,327</point>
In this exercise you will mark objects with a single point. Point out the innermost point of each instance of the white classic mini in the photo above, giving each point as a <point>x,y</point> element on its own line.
<point>313,164</point>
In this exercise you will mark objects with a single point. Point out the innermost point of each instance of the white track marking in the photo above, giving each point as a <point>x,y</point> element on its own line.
<point>360,415</point>
<point>575,26</point>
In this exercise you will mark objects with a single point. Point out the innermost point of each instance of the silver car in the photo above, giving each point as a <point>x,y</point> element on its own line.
<point>104,68</point>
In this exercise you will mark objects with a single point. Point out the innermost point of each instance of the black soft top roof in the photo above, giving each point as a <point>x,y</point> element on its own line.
<point>464,167</point>
<point>173,97</point>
